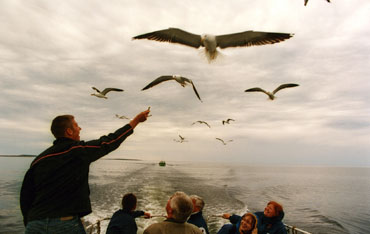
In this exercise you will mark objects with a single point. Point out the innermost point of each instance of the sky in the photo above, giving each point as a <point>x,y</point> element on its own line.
<point>53,52</point>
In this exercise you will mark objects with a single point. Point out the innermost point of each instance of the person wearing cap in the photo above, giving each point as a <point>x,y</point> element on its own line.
<point>270,220</point>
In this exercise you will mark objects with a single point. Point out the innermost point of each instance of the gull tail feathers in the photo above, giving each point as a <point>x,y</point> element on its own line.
<point>211,58</point>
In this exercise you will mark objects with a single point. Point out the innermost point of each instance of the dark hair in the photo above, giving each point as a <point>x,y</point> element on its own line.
<point>129,202</point>
<point>60,125</point>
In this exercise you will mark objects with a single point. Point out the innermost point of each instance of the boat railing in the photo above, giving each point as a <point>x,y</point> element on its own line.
<point>294,230</point>
<point>90,228</point>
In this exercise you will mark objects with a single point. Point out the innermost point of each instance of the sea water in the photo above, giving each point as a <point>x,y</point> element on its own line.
<point>315,199</point>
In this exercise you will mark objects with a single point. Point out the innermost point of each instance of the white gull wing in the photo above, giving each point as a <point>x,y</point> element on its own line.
<point>173,35</point>
<point>283,86</point>
<point>202,122</point>
<point>256,89</point>
<point>250,38</point>
<point>121,116</point>
<point>106,90</point>
<point>305,2</point>
<point>158,81</point>
<point>195,90</point>
<point>97,90</point>
<point>223,142</point>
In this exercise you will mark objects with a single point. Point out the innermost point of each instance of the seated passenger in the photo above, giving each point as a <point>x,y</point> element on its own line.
<point>179,208</point>
<point>123,220</point>
<point>246,224</point>
<point>270,220</point>
<point>196,217</point>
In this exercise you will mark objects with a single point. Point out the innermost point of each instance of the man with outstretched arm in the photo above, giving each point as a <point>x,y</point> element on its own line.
<point>55,192</point>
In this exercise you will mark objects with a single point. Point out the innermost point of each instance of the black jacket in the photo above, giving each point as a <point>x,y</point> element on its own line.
<point>123,222</point>
<point>198,220</point>
<point>270,225</point>
<point>56,184</point>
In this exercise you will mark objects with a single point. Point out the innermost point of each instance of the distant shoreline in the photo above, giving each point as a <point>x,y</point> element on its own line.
<point>33,156</point>
<point>19,156</point>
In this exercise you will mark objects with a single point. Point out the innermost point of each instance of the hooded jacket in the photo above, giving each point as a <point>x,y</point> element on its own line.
<point>56,184</point>
<point>270,225</point>
<point>234,227</point>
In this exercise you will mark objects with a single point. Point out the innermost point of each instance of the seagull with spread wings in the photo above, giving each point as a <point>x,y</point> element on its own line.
<point>223,142</point>
<point>271,95</point>
<point>305,2</point>
<point>104,92</point>
<point>211,42</point>
<point>202,122</point>
<point>121,117</point>
<point>227,121</point>
<point>182,139</point>
<point>183,81</point>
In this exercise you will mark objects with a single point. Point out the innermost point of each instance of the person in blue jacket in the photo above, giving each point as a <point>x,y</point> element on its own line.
<point>123,220</point>
<point>270,220</point>
<point>246,224</point>
<point>196,216</point>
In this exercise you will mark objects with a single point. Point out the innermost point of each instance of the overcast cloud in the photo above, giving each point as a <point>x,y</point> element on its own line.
<point>52,53</point>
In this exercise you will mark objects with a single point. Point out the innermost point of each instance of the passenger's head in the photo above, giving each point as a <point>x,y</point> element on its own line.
<point>129,202</point>
<point>198,203</point>
<point>273,209</point>
<point>248,223</point>
<point>65,126</point>
<point>179,207</point>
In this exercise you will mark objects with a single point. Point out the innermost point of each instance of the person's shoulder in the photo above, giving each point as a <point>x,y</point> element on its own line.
<point>258,214</point>
<point>117,212</point>
<point>120,214</point>
<point>225,229</point>
<point>193,229</point>
<point>154,228</point>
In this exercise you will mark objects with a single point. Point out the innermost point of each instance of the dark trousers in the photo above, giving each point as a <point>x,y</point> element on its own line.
<point>55,226</point>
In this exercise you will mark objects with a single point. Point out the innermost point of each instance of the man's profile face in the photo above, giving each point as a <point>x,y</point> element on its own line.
<point>75,134</point>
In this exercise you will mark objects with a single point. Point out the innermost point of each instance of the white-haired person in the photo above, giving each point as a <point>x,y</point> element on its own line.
<point>178,208</point>
<point>196,217</point>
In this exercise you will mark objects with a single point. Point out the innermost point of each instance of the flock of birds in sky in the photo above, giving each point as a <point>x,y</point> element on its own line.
<point>210,44</point>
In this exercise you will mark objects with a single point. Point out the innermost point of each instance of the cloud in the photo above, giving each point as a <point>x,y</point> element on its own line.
<point>51,54</point>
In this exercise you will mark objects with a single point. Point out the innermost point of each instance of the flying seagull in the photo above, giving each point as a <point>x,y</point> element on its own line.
<point>121,116</point>
<point>305,2</point>
<point>104,92</point>
<point>223,142</point>
<point>182,139</point>
<point>271,95</point>
<point>211,42</point>
<point>227,121</point>
<point>201,122</point>
<point>183,81</point>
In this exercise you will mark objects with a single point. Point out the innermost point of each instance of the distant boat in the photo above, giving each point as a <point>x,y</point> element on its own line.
<point>162,163</point>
